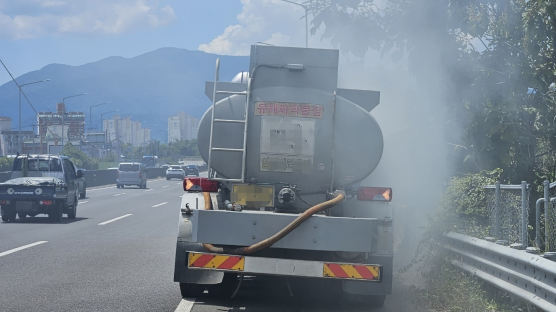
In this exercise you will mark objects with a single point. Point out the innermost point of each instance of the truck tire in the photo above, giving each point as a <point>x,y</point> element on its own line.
<point>189,290</point>
<point>22,216</point>
<point>226,288</point>
<point>83,194</point>
<point>72,212</point>
<point>376,301</point>
<point>55,214</point>
<point>8,214</point>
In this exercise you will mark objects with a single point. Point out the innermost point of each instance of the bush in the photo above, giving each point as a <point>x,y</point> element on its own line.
<point>79,159</point>
<point>6,163</point>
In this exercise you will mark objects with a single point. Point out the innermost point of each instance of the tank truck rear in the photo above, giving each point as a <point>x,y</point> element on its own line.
<point>286,151</point>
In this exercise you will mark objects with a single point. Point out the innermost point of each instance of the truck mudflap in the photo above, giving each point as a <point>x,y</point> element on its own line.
<point>284,267</point>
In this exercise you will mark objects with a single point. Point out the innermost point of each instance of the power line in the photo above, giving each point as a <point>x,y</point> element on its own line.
<point>19,87</point>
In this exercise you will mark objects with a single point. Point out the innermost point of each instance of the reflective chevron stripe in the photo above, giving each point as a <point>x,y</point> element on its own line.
<point>285,267</point>
<point>353,271</point>
<point>214,261</point>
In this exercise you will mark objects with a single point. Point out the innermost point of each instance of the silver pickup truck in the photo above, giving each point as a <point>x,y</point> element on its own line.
<point>40,184</point>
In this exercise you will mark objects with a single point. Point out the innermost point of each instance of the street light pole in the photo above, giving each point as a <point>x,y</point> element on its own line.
<point>64,112</point>
<point>20,141</point>
<point>306,22</point>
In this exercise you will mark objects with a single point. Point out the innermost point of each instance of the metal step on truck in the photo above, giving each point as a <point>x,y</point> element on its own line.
<point>286,151</point>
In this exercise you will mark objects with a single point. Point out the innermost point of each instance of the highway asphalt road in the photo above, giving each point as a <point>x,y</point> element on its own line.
<point>118,255</point>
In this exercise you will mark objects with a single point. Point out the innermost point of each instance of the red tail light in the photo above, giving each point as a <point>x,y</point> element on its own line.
<point>200,185</point>
<point>4,202</point>
<point>45,202</point>
<point>375,193</point>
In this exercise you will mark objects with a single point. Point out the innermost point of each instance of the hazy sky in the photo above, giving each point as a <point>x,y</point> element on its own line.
<point>34,33</point>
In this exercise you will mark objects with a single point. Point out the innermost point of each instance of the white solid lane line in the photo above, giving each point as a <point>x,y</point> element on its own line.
<point>5,253</point>
<point>118,194</point>
<point>186,304</point>
<point>115,219</point>
<point>158,205</point>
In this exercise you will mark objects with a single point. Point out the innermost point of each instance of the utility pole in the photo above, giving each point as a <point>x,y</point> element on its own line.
<point>19,87</point>
<point>64,113</point>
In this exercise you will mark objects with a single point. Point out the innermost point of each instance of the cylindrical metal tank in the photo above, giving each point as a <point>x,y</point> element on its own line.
<point>298,136</point>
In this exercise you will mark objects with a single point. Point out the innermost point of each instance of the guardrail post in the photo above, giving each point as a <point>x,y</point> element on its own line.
<point>524,215</point>
<point>547,217</point>
<point>538,222</point>
<point>497,210</point>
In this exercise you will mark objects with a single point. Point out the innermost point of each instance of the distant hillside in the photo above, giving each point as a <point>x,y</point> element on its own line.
<point>148,88</point>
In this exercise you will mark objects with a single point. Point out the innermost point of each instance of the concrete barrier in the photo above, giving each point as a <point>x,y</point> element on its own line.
<point>101,177</point>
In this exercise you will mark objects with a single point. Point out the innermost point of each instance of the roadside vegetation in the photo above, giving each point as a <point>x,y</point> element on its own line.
<point>167,153</point>
<point>5,164</point>
<point>493,65</point>
<point>447,288</point>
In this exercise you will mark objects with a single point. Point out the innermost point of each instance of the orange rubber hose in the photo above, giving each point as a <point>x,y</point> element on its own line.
<point>280,234</point>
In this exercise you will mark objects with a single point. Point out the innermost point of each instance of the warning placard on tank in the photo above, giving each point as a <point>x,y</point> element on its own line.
<point>287,144</point>
<point>288,109</point>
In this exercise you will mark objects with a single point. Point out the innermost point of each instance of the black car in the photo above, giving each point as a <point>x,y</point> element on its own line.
<point>191,170</point>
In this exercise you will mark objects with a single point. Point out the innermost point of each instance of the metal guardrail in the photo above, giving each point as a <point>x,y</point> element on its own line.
<point>527,276</point>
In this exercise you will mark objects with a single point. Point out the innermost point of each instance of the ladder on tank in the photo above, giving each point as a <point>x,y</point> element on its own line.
<point>244,121</point>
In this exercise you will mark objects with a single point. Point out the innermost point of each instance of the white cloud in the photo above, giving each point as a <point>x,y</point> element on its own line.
<point>270,21</point>
<point>34,18</point>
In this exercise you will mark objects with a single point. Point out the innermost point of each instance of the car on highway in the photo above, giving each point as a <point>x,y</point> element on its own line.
<point>175,172</point>
<point>191,170</point>
<point>131,173</point>
<point>40,184</point>
<point>82,184</point>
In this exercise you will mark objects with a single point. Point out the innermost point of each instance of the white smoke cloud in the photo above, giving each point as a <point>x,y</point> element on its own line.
<point>34,18</point>
<point>270,21</point>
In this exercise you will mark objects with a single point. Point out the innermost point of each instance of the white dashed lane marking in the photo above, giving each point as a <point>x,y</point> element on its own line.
<point>158,205</point>
<point>11,251</point>
<point>115,219</point>
<point>186,304</point>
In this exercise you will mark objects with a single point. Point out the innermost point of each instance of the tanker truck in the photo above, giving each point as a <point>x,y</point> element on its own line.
<point>287,150</point>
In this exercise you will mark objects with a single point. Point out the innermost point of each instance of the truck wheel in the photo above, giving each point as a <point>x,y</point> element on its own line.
<point>191,290</point>
<point>22,216</point>
<point>73,210</point>
<point>226,288</point>
<point>8,214</point>
<point>55,214</point>
<point>83,194</point>
<point>376,301</point>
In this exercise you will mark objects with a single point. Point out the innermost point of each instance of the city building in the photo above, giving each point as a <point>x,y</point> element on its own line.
<point>12,141</point>
<point>182,127</point>
<point>125,131</point>
<point>61,127</point>
<point>5,123</point>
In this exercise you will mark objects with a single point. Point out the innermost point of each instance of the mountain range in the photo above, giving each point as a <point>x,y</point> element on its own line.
<point>148,88</point>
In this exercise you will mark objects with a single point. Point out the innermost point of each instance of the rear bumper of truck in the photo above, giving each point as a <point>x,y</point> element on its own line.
<point>320,232</point>
<point>355,251</point>
<point>283,267</point>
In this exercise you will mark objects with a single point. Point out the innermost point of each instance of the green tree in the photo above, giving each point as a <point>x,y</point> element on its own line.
<point>6,164</point>
<point>498,59</point>
<point>79,159</point>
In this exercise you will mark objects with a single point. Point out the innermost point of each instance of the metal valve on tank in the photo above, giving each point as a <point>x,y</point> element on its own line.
<point>286,195</point>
